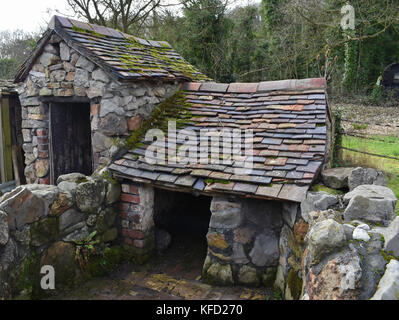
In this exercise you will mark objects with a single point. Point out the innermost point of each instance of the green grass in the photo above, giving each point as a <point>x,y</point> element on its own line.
<point>393,183</point>
<point>320,187</point>
<point>383,145</point>
<point>358,126</point>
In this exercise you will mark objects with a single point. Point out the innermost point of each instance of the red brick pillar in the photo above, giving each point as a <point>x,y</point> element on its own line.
<point>137,208</point>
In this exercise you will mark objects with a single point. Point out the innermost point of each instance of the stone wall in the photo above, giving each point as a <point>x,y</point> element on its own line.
<point>117,109</point>
<point>243,242</point>
<point>352,244</point>
<point>250,242</point>
<point>52,225</point>
<point>291,245</point>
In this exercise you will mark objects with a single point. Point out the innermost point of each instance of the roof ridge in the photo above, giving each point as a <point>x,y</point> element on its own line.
<point>122,56</point>
<point>101,30</point>
<point>259,87</point>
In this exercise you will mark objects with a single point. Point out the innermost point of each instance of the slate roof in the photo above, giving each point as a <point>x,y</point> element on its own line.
<point>288,119</point>
<point>123,56</point>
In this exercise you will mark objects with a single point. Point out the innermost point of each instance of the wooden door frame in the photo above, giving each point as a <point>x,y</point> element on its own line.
<point>59,100</point>
<point>50,145</point>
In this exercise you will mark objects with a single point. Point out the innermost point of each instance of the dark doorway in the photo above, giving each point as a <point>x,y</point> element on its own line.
<point>186,218</point>
<point>70,134</point>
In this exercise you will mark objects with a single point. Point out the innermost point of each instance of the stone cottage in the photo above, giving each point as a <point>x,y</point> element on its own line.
<point>90,95</point>
<point>83,87</point>
<point>252,214</point>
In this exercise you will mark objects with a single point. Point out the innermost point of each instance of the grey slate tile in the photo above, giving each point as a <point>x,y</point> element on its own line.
<point>169,178</point>
<point>244,187</point>
<point>272,141</point>
<point>186,181</point>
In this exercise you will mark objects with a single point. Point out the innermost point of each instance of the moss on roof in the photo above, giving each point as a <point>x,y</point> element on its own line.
<point>176,108</point>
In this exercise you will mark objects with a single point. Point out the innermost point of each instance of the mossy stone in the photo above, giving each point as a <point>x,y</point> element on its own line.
<point>220,274</point>
<point>61,256</point>
<point>320,187</point>
<point>248,276</point>
<point>44,231</point>
<point>105,262</point>
<point>106,219</point>
<point>109,235</point>
<point>269,277</point>
<point>294,285</point>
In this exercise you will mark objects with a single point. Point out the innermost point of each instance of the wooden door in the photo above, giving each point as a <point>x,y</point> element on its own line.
<point>70,139</point>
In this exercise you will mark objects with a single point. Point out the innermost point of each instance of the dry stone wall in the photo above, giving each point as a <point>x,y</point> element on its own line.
<point>351,247</point>
<point>117,109</point>
<point>54,225</point>
<point>243,242</point>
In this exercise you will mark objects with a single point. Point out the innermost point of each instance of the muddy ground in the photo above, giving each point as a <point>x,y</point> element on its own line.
<point>172,275</point>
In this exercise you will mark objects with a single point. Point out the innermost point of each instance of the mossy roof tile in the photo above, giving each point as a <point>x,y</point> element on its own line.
<point>285,159</point>
<point>123,56</point>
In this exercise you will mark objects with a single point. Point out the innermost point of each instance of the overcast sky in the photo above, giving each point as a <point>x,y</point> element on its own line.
<point>28,15</point>
<point>32,15</point>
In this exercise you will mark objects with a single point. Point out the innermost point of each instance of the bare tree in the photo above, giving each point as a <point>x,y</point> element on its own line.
<point>17,44</point>
<point>117,14</point>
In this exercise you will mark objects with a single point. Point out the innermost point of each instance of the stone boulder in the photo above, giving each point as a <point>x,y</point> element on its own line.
<point>43,231</point>
<point>225,214</point>
<point>163,239</point>
<point>361,176</point>
<point>220,274</point>
<point>68,187</point>
<point>263,213</point>
<point>248,276</point>
<point>391,236</point>
<point>265,252</point>
<point>317,201</point>
<point>71,177</point>
<point>373,264</point>
<point>61,256</point>
<point>388,287</point>
<point>4,235</point>
<point>106,219</point>
<point>318,216</point>
<point>336,178</point>
<point>290,212</point>
<point>325,237</point>
<point>370,203</point>
<point>8,255</point>
<point>70,218</point>
<point>27,204</point>
<point>337,279</point>
<point>113,125</point>
<point>62,203</point>
<point>113,193</point>
<point>360,234</point>
<point>90,195</point>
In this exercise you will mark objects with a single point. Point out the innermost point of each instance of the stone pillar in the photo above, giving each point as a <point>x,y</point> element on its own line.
<point>42,163</point>
<point>137,208</point>
<point>243,242</point>
<point>291,245</point>
<point>36,141</point>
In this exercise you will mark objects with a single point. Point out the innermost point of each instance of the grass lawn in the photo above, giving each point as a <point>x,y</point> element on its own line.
<point>384,145</point>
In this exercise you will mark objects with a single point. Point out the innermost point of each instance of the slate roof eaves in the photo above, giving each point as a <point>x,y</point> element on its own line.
<point>287,154</point>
